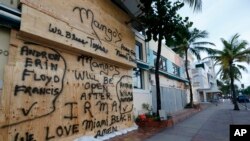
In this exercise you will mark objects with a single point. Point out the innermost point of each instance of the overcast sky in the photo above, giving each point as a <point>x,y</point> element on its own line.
<point>223,19</point>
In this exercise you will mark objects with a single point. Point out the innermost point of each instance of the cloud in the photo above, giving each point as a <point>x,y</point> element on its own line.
<point>223,19</point>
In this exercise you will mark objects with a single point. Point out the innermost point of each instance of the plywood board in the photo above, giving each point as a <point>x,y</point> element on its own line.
<point>83,26</point>
<point>53,95</point>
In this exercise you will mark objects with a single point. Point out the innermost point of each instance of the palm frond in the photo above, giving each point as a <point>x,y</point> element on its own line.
<point>234,39</point>
<point>234,51</point>
<point>196,53</point>
<point>241,67</point>
<point>243,54</point>
<point>204,43</point>
<point>204,49</point>
<point>195,4</point>
<point>197,34</point>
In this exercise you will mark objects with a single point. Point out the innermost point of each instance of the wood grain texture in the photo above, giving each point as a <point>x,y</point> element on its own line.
<point>50,94</point>
<point>67,22</point>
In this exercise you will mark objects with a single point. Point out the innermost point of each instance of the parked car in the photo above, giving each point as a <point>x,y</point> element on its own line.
<point>242,99</point>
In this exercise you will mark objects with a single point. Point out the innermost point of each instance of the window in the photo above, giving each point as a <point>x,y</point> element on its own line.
<point>176,70</point>
<point>138,51</point>
<point>138,78</point>
<point>143,32</point>
<point>162,63</point>
<point>154,57</point>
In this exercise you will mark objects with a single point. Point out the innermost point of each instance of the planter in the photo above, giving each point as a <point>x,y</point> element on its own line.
<point>153,123</point>
<point>157,124</point>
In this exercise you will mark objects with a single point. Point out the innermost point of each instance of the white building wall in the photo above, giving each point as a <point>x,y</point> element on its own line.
<point>140,97</point>
<point>196,97</point>
<point>144,95</point>
<point>173,94</point>
<point>165,51</point>
<point>201,80</point>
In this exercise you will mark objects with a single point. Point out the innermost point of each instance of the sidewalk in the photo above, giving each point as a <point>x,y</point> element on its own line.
<point>143,133</point>
<point>212,124</point>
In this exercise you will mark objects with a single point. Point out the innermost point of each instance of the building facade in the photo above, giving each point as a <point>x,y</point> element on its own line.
<point>141,76</point>
<point>172,78</point>
<point>172,74</point>
<point>204,81</point>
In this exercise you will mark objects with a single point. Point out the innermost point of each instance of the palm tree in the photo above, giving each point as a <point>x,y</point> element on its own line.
<point>161,22</point>
<point>233,53</point>
<point>224,86</point>
<point>224,72</point>
<point>196,4</point>
<point>190,43</point>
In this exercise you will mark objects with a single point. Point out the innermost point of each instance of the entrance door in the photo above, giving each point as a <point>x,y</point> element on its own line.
<point>201,96</point>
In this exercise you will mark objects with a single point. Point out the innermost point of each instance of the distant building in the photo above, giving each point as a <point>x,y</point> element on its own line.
<point>204,81</point>
<point>190,65</point>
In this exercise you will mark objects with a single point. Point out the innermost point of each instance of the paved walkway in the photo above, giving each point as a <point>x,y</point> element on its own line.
<point>143,133</point>
<point>212,124</point>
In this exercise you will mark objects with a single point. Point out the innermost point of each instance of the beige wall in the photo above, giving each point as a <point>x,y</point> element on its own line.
<point>166,52</point>
<point>171,56</point>
<point>166,82</point>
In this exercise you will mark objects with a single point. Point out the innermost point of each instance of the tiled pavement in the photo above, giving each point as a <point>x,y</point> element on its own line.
<point>211,123</point>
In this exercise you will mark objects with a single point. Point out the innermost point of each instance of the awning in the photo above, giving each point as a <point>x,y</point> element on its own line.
<point>143,65</point>
<point>208,90</point>
<point>9,17</point>
<point>172,76</point>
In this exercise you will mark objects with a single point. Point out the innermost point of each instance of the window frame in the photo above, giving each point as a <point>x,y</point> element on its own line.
<point>139,46</point>
<point>141,78</point>
<point>163,62</point>
<point>176,69</point>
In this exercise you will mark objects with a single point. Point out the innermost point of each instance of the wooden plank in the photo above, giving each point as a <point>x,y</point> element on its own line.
<point>101,35</point>
<point>103,10</point>
<point>53,95</point>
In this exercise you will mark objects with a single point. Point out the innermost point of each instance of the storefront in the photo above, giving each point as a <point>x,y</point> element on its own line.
<point>67,71</point>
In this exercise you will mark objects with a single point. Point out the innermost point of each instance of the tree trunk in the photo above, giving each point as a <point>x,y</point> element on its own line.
<point>191,103</point>
<point>157,79</point>
<point>236,107</point>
